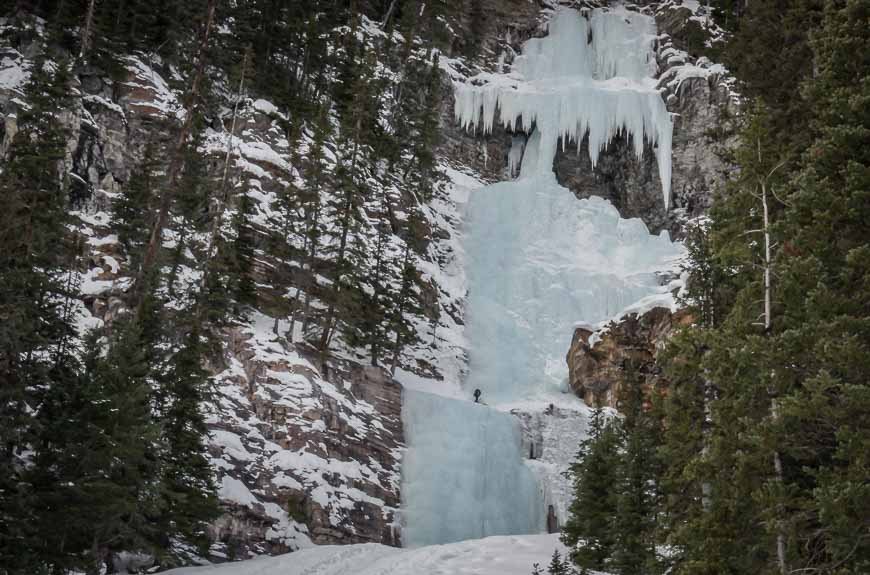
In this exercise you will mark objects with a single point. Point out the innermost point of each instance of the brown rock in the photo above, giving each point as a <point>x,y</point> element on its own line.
<point>595,371</point>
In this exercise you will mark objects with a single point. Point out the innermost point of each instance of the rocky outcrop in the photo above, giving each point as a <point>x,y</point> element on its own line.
<point>596,359</point>
<point>551,437</point>
<point>699,95</point>
<point>701,99</point>
<point>303,456</point>
<point>508,24</point>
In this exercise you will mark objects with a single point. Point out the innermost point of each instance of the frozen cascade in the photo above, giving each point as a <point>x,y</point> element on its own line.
<point>464,461</point>
<point>538,262</point>
<point>568,88</point>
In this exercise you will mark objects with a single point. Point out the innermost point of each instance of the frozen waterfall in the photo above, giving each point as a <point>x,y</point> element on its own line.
<point>466,458</point>
<point>567,88</point>
<point>538,261</point>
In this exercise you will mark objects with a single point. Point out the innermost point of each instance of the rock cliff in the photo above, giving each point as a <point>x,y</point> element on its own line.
<point>305,451</point>
<point>596,359</point>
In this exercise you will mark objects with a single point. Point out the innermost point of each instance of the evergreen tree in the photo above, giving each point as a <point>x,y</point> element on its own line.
<point>637,474</point>
<point>96,476</point>
<point>243,287</point>
<point>589,529</point>
<point>822,373</point>
<point>132,211</point>
<point>34,329</point>
<point>188,499</point>
<point>559,566</point>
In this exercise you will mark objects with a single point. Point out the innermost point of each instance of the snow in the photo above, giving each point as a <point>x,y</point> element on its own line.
<point>14,72</point>
<point>231,489</point>
<point>511,555</point>
<point>158,95</point>
<point>600,89</point>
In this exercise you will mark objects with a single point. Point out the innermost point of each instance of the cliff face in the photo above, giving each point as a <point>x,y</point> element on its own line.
<point>596,364</point>
<point>699,94</point>
<point>305,452</point>
<point>304,455</point>
<point>700,97</point>
<point>309,451</point>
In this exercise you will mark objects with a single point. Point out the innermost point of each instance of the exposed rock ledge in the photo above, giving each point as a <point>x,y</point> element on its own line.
<point>595,364</point>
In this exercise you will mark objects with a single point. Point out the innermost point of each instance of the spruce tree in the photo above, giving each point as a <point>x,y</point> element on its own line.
<point>33,220</point>
<point>637,476</point>
<point>244,290</point>
<point>132,210</point>
<point>588,533</point>
<point>188,499</point>
<point>822,426</point>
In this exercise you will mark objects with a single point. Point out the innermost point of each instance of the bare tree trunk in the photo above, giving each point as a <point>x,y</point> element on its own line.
<point>86,31</point>
<point>221,203</point>
<point>774,414</point>
<point>777,459</point>
<point>389,14</point>
<point>175,164</point>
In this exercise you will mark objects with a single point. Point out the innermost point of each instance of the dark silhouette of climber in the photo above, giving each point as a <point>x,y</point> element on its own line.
<point>476,396</point>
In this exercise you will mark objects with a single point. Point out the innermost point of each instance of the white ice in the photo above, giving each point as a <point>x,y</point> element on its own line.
<point>567,87</point>
<point>538,261</point>
<point>463,464</point>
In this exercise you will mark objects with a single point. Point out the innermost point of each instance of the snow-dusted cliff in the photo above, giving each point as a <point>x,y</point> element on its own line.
<point>307,451</point>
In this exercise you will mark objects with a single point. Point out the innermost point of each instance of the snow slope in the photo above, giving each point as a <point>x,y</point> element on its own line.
<point>511,555</point>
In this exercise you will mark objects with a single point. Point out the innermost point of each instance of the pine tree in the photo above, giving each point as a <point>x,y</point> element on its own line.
<point>637,475</point>
<point>98,478</point>
<point>358,111</point>
<point>188,499</point>
<point>589,529</point>
<point>559,566</point>
<point>822,373</point>
<point>244,290</point>
<point>132,210</point>
<point>33,201</point>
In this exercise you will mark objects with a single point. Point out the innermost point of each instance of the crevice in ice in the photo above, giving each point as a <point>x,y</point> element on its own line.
<point>568,87</point>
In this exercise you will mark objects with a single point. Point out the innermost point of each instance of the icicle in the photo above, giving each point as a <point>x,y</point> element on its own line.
<point>604,87</point>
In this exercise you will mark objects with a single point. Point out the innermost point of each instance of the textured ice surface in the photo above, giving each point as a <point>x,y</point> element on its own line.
<point>464,477</point>
<point>538,260</point>
<point>567,87</point>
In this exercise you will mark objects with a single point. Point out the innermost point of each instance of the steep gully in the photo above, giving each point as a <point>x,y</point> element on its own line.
<point>539,262</point>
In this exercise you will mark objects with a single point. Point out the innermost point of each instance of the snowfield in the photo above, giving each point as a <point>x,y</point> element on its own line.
<point>506,555</point>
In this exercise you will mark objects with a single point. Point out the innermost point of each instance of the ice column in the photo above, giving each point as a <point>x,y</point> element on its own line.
<point>464,477</point>
<point>539,260</point>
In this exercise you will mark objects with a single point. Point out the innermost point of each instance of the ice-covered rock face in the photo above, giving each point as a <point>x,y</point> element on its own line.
<point>538,260</point>
<point>566,87</point>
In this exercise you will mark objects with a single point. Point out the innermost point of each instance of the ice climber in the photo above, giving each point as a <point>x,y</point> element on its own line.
<point>476,396</point>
